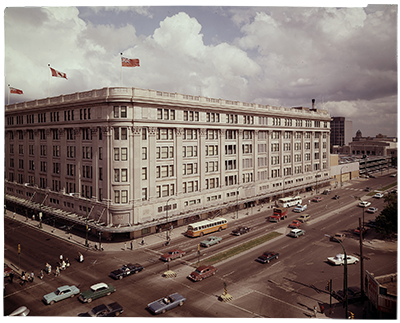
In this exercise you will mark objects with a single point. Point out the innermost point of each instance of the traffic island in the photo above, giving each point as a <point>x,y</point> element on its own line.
<point>169,274</point>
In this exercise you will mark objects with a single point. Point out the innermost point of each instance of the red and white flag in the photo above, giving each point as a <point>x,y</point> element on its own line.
<point>15,91</point>
<point>129,62</point>
<point>58,74</point>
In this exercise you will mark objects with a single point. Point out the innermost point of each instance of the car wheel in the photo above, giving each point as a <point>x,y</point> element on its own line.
<point>52,302</point>
<point>181,303</point>
<point>89,300</point>
<point>163,311</point>
<point>180,256</point>
<point>268,261</point>
<point>72,295</point>
<point>213,273</point>
<point>117,313</point>
<point>201,234</point>
<point>109,293</point>
<point>277,257</point>
<point>219,229</point>
<point>120,277</point>
<point>169,259</point>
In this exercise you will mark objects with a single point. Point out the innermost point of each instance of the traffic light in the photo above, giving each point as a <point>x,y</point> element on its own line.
<point>327,285</point>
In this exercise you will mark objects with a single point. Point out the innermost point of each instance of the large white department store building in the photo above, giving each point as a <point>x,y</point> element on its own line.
<point>133,161</point>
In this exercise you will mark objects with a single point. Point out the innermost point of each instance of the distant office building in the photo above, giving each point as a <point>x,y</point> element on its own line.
<point>341,131</point>
<point>381,145</point>
<point>133,161</point>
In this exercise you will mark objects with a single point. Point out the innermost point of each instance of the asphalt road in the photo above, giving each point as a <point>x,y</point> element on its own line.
<point>286,288</point>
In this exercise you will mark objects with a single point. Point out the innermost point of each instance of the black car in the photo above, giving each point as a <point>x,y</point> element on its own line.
<point>336,197</point>
<point>240,230</point>
<point>266,257</point>
<point>353,294</point>
<point>126,270</point>
<point>113,309</point>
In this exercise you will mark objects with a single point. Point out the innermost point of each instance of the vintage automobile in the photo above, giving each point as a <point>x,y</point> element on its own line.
<point>173,254</point>
<point>357,231</point>
<point>378,195</point>
<point>210,241</point>
<point>202,272</point>
<point>338,237</point>
<point>303,218</point>
<point>300,208</point>
<point>266,257</point>
<point>126,270</point>
<point>296,233</point>
<point>113,309</point>
<point>240,230</point>
<point>371,209</point>
<point>60,293</point>
<point>166,303</point>
<point>336,197</point>
<point>96,291</point>
<point>338,260</point>
<point>7,270</point>
<point>317,199</point>
<point>364,204</point>
<point>21,311</point>
<point>295,224</point>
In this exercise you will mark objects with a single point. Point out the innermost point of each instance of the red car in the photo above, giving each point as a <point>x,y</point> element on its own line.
<point>173,254</point>
<point>202,272</point>
<point>295,224</point>
<point>317,199</point>
<point>357,231</point>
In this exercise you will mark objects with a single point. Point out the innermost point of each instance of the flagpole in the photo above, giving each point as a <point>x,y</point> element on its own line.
<point>8,96</point>
<point>120,78</point>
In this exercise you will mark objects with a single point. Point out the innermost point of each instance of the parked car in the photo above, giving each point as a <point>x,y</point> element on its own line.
<point>378,195</point>
<point>338,260</point>
<point>303,218</point>
<point>60,293</point>
<point>96,291</point>
<point>317,199</point>
<point>7,270</point>
<point>173,254</point>
<point>202,272</point>
<point>371,224</point>
<point>266,257</point>
<point>357,231</point>
<point>338,237</point>
<point>353,294</point>
<point>210,241</point>
<point>364,176</point>
<point>296,233</point>
<point>295,224</point>
<point>240,230</point>
<point>126,270</point>
<point>326,192</point>
<point>371,176</point>
<point>367,189</point>
<point>336,197</point>
<point>364,204</point>
<point>372,209</point>
<point>113,309</point>
<point>166,303</point>
<point>300,208</point>
<point>393,175</point>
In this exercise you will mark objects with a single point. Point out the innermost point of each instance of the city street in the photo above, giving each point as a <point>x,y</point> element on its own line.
<point>288,287</point>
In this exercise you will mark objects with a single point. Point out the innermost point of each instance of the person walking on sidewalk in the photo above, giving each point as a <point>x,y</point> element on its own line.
<point>32,276</point>
<point>11,277</point>
<point>101,247</point>
<point>41,275</point>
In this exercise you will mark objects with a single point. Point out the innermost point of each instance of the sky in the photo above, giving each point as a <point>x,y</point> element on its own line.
<point>343,57</point>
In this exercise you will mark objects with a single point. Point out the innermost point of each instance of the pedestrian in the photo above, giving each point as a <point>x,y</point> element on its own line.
<point>41,274</point>
<point>32,276</point>
<point>33,217</point>
<point>57,273</point>
<point>11,277</point>
<point>142,243</point>
<point>80,257</point>
<point>322,308</point>
<point>101,247</point>
<point>95,246</point>
<point>326,206</point>
<point>23,278</point>
<point>131,245</point>
<point>309,201</point>
<point>315,311</point>
<point>67,263</point>
<point>125,245</point>
<point>61,258</point>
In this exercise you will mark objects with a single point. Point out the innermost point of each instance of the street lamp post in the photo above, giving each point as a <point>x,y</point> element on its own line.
<point>344,277</point>
<point>237,202</point>
<point>171,198</point>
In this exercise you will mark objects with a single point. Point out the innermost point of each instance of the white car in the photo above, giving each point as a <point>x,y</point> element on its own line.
<point>300,208</point>
<point>364,204</point>
<point>338,260</point>
<point>378,195</point>
<point>372,209</point>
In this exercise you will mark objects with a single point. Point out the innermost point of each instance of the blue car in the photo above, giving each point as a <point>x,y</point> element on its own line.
<point>60,293</point>
<point>166,303</point>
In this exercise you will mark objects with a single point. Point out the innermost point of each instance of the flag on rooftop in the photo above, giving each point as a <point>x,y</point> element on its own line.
<point>16,91</point>
<point>58,74</point>
<point>129,62</point>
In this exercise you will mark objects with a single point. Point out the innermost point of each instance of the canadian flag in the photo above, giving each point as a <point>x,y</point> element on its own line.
<point>15,91</point>
<point>58,74</point>
<point>129,62</point>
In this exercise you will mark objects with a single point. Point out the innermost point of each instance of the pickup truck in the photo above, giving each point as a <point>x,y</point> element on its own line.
<point>280,213</point>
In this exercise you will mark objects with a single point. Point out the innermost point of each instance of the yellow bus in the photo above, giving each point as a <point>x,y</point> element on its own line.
<point>201,228</point>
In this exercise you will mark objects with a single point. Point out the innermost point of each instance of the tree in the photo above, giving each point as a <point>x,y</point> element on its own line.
<point>386,222</point>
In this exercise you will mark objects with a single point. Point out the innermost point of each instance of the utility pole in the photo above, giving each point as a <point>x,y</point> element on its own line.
<point>361,258</point>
